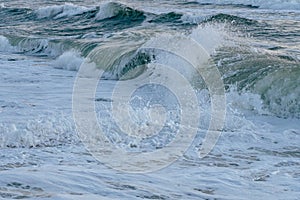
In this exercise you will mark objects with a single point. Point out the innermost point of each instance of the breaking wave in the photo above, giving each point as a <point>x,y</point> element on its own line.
<point>60,11</point>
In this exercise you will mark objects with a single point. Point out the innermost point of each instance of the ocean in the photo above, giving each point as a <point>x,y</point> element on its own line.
<point>183,99</point>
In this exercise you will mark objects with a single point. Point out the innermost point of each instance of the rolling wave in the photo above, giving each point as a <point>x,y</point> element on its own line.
<point>91,32</point>
<point>69,20</point>
<point>268,74</point>
<point>70,32</point>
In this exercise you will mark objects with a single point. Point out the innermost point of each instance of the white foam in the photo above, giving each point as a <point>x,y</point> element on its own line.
<point>59,11</point>
<point>243,102</point>
<point>70,60</point>
<point>5,45</point>
<point>43,131</point>
<point>210,37</point>
<point>108,10</point>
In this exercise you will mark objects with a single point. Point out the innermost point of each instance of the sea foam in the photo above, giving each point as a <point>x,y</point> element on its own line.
<point>70,60</point>
<point>5,44</point>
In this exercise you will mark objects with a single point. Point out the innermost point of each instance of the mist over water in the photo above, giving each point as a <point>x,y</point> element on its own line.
<point>254,45</point>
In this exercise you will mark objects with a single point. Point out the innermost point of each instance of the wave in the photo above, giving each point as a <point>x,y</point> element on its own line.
<point>254,71</point>
<point>167,17</point>
<point>104,11</point>
<point>40,47</point>
<point>71,19</point>
<point>62,17</point>
<point>220,18</point>
<point>232,19</point>
<point>262,4</point>
<point>33,46</point>
<point>69,54</point>
<point>280,91</point>
<point>272,76</point>
<point>70,60</point>
<point>267,74</point>
<point>118,10</point>
<point>68,14</point>
<point>120,57</point>
<point>60,11</point>
<point>5,44</point>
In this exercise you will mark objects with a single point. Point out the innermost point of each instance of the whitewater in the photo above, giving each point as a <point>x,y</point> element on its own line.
<point>151,79</point>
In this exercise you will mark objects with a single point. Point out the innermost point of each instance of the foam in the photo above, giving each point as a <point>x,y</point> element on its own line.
<point>244,102</point>
<point>40,132</point>
<point>210,37</point>
<point>108,10</point>
<point>5,44</point>
<point>70,60</point>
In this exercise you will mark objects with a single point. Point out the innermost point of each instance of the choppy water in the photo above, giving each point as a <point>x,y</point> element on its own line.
<point>255,45</point>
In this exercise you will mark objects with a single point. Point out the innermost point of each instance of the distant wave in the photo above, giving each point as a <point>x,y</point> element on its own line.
<point>113,10</point>
<point>262,4</point>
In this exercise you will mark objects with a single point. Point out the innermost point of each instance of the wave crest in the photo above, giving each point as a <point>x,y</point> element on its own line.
<point>60,11</point>
<point>112,9</point>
